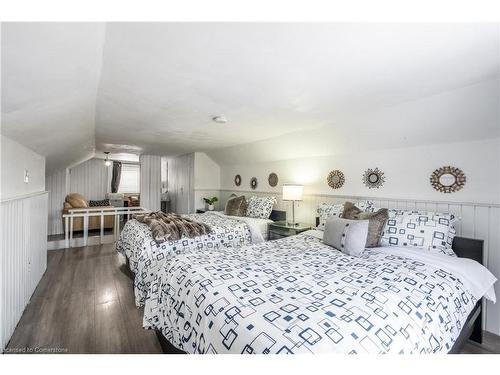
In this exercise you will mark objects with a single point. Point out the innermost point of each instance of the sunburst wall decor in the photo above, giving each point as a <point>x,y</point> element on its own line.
<point>335,179</point>
<point>373,178</point>
<point>448,179</point>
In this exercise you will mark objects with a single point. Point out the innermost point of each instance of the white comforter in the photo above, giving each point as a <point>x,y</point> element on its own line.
<point>146,256</point>
<point>298,295</point>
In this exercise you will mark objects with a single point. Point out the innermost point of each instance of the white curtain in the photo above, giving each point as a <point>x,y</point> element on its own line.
<point>150,182</point>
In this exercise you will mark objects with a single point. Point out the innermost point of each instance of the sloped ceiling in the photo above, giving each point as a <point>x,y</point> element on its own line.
<point>50,74</point>
<point>154,87</point>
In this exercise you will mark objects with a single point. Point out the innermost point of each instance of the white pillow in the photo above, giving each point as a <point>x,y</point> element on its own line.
<point>348,236</point>
<point>432,231</point>
<point>260,207</point>
<point>328,210</point>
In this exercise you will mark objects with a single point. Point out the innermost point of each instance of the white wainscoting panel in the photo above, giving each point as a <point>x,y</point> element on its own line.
<point>476,220</point>
<point>90,179</point>
<point>150,182</point>
<point>23,256</point>
<point>56,184</point>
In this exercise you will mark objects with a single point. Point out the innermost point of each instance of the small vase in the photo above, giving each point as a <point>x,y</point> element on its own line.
<point>211,207</point>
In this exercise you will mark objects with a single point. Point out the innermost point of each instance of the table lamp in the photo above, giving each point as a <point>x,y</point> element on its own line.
<point>292,192</point>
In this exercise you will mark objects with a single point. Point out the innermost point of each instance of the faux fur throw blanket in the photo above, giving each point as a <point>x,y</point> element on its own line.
<point>172,226</point>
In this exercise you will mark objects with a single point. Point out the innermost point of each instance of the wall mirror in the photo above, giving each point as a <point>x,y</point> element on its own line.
<point>237,180</point>
<point>253,183</point>
<point>373,178</point>
<point>335,179</point>
<point>448,179</point>
<point>273,179</point>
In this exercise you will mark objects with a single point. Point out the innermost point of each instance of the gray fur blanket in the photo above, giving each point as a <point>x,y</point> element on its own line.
<point>172,226</point>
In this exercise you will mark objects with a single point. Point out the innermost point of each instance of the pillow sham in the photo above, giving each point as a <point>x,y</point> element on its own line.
<point>100,203</point>
<point>328,210</point>
<point>366,206</point>
<point>260,207</point>
<point>348,236</point>
<point>431,231</point>
<point>236,206</point>
<point>376,222</point>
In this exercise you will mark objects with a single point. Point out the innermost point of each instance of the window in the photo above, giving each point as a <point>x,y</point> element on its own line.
<point>130,178</point>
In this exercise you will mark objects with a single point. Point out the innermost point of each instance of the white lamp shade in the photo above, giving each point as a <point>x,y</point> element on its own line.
<point>292,192</point>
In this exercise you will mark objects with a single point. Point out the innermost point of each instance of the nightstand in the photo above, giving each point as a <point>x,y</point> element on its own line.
<point>280,229</point>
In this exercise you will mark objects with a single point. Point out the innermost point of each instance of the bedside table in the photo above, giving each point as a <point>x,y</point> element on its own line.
<point>280,229</point>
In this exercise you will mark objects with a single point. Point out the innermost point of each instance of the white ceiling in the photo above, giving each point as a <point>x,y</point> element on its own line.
<point>153,87</point>
<point>50,74</point>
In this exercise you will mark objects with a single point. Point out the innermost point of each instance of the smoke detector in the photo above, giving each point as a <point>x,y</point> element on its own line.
<point>220,119</point>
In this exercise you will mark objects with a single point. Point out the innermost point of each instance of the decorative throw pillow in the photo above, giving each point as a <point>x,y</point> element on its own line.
<point>376,221</point>
<point>348,236</point>
<point>328,210</point>
<point>432,231</point>
<point>260,207</point>
<point>101,203</point>
<point>236,206</point>
<point>76,200</point>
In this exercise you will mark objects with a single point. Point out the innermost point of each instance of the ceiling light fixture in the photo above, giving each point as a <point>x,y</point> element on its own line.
<point>220,119</point>
<point>107,162</point>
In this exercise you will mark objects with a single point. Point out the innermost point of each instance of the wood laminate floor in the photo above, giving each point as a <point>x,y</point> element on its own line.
<point>85,304</point>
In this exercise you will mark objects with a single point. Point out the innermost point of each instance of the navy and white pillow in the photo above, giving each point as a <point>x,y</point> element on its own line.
<point>100,203</point>
<point>328,210</point>
<point>366,206</point>
<point>260,207</point>
<point>432,231</point>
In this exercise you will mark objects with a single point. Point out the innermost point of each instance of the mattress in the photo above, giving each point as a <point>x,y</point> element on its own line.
<point>298,295</point>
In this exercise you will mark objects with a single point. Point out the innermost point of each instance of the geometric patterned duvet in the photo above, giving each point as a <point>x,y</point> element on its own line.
<point>297,295</point>
<point>146,256</point>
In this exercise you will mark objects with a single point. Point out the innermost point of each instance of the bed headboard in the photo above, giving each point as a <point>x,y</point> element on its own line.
<point>468,248</point>
<point>278,215</point>
<point>463,247</point>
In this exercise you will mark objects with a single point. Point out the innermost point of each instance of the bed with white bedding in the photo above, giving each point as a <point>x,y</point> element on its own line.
<point>298,295</point>
<point>145,256</point>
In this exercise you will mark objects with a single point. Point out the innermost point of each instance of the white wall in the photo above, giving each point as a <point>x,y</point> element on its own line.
<point>57,184</point>
<point>181,183</point>
<point>23,232</point>
<point>407,172</point>
<point>89,178</point>
<point>206,180</point>
<point>150,188</point>
<point>17,158</point>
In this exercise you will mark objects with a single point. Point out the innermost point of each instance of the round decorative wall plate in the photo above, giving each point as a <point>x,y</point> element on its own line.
<point>253,183</point>
<point>273,179</point>
<point>448,179</point>
<point>237,180</point>
<point>335,179</point>
<point>373,178</point>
